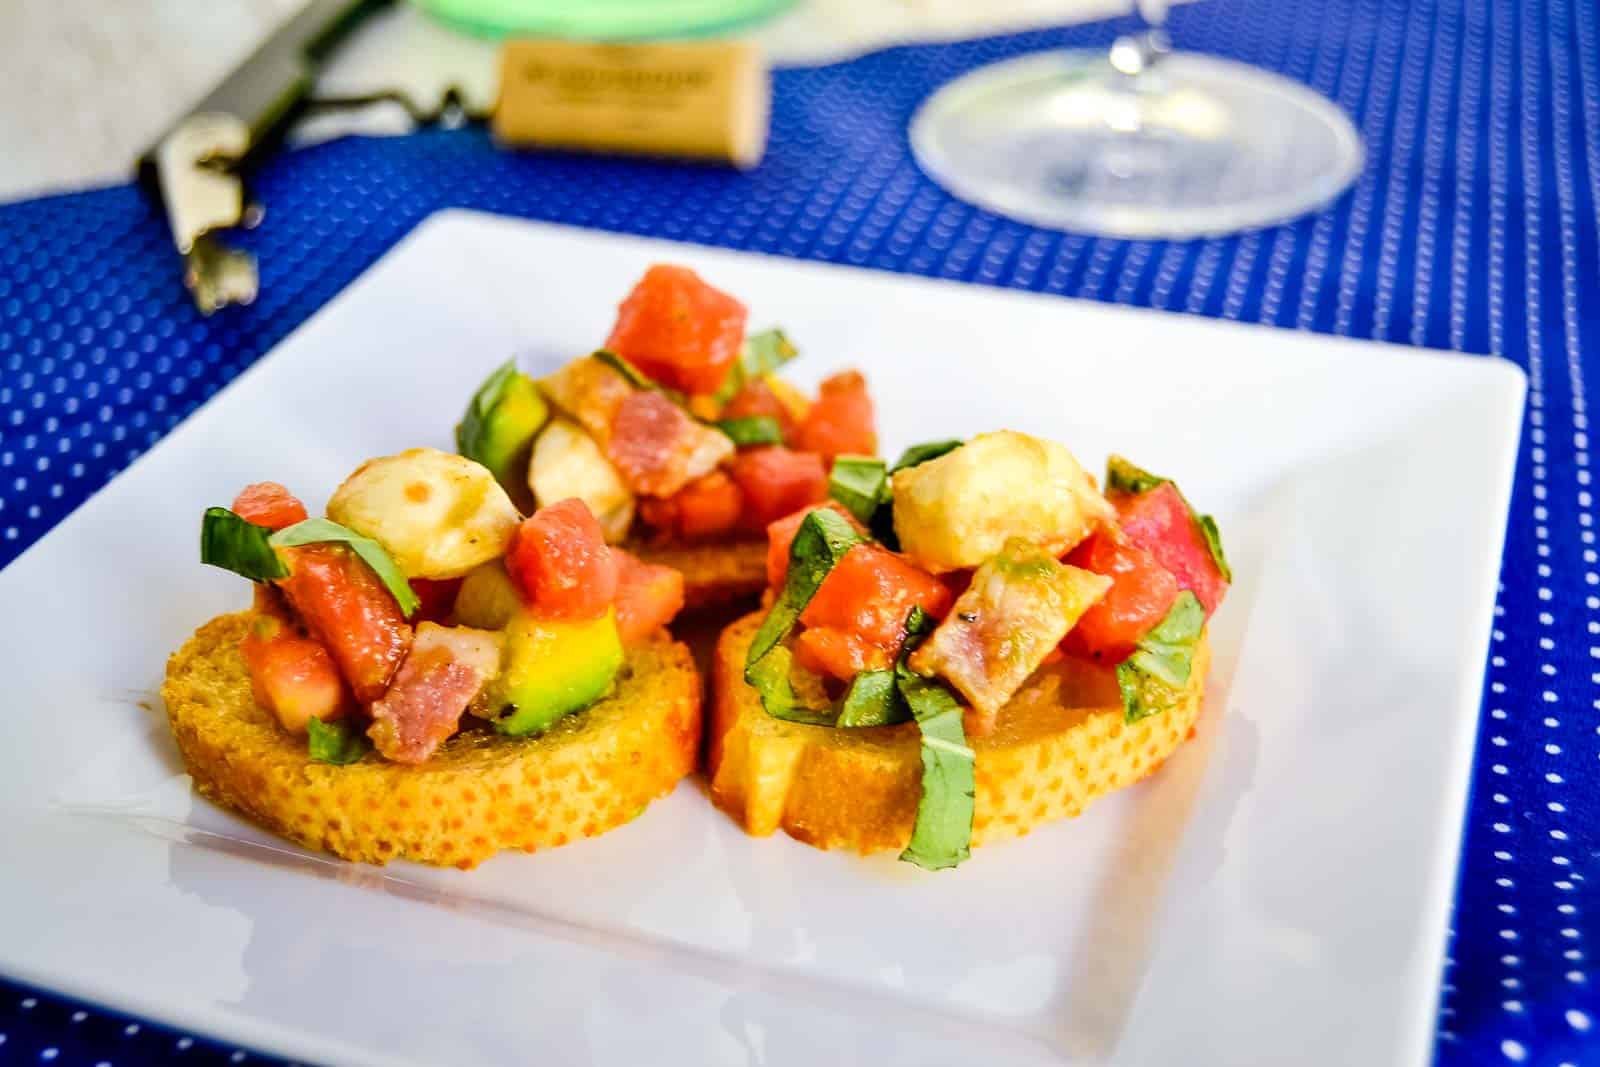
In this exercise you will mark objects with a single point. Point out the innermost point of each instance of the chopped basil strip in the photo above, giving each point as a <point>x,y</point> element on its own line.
<point>942,835</point>
<point>1213,536</point>
<point>474,425</point>
<point>1123,477</point>
<point>635,376</point>
<point>1153,678</point>
<point>874,699</point>
<point>871,700</point>
<point>754,430</point>
<point>322,531</point>
<point>334,742</point>
<point>240,546</point>
<point>770,675</point>
<point>822,540</point>
<point>861,484</point>
<point>922,453</point>
<point>765,352</point>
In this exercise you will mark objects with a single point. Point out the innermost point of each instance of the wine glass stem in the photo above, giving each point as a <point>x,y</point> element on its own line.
<point>1135,53</point>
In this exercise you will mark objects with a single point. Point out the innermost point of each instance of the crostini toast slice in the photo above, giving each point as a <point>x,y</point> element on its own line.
<point>1060,744</point>
<point>479,793</point>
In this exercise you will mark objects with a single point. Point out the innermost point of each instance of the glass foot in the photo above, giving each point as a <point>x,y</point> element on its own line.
<point>1193,146</point>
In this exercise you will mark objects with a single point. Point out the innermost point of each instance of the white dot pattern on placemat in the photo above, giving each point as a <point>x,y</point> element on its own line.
<point>1475,226</point>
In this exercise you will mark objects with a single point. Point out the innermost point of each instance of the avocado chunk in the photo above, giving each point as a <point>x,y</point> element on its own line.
<point>505,415</point>
<point>551,668</point>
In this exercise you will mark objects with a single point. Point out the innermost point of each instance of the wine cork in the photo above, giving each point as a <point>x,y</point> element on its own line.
<point>705,100</point>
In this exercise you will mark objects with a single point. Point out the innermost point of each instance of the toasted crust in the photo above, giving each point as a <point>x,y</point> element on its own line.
<point>478,794</point>
<point>1058,745</point>
<point>715,573</point>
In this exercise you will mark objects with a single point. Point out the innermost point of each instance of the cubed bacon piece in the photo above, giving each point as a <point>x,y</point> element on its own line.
<point>648,596</point>
<point>560,561</point>
<point>269,504</point>
<point>841,421</point>
<point>291,674</point>
<point>776,482</point>
<point>707,509</point>
<point>590,391</point>
<point>347,609</point>
<point>446,670</point>
<point>1021,603</point>
<point>680,331</point>
<point>658,448</point>
<point>781,534</point>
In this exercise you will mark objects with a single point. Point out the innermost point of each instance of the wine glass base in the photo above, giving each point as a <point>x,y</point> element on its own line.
<point>1196,146</point>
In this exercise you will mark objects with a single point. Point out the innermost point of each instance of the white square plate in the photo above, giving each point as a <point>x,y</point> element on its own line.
<point>1277,894</point>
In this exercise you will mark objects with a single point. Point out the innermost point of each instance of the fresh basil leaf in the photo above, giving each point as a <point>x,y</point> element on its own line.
<point>334,742</point>
<point>941,837</point>
<point>922,453</point>
<point>1153,678</point>
<point>1123,477</point>
<point>765,352</point>
<point>752,430</point>
<point>1213,536</point>
<point>324,531</point>
<point>636,377</point>
<point>860,483</point>
<point>474,425</point>
<point>236,545</point>
<point>872,700</point>
<point>822,540</point>
<point>770,677</point>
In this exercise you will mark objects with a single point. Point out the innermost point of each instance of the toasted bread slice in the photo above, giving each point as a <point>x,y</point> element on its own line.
<point>479,793</point>
<point>1058,745</point>
<point>714,573</point>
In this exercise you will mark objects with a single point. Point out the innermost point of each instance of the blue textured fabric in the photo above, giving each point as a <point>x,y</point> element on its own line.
<point>1476,226</point>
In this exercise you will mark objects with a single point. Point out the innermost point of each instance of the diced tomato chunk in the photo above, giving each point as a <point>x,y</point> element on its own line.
<point>838,653</point>
<point>1159,522</point>
<point>437,597</point>
<point>870,592</point>
<point>704,510</point>
<point>349,610</point>
<point>780,538</point>
<point>678,330</point>
<point>1141,594</point>
<point>841,421</point>
<point>291,675</point>
<point>756,398</point>
<point>648,596</point>
<point>560,561</point>
<point>269,504</point>
<point>776,482</point>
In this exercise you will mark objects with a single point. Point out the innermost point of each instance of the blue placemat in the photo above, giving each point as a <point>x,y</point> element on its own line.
<point>1474,227</point>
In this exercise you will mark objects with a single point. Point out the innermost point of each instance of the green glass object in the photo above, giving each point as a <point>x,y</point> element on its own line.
<point>605,20</point>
